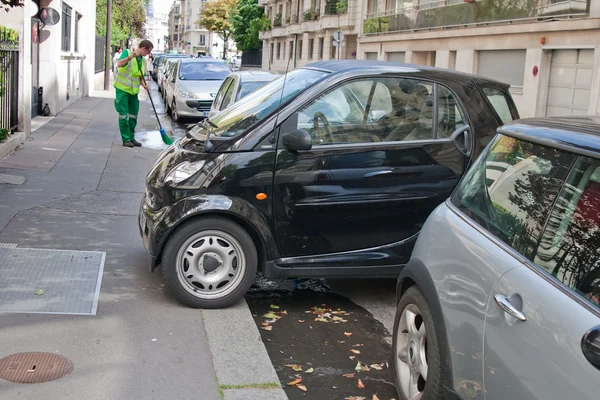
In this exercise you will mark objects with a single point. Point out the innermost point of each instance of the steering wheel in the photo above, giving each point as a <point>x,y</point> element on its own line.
<point>320,116</point>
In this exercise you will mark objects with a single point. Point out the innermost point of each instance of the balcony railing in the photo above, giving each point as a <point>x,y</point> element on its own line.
<point>438,14</point>
<point>336,7</point>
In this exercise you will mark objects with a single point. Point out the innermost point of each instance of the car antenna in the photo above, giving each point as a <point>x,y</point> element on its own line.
<point>287,68</point>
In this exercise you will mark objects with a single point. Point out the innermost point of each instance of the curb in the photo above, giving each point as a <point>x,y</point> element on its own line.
<point>242,366</point>
<point>12,143</point>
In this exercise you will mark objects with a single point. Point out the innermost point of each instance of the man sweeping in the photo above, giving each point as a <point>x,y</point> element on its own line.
<point>128,79</point>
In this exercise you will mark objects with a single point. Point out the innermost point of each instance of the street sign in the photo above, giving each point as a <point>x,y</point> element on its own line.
<point>339,43</point>
<point>338,36</point>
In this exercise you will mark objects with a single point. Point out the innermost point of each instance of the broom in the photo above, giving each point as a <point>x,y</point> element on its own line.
<point>165,138</point>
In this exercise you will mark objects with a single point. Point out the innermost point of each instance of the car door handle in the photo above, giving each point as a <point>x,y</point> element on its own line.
<point>378,173</point>
<point>508,308</point>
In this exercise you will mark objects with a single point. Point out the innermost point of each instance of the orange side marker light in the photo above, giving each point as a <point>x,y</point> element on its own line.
<point>261,196</point>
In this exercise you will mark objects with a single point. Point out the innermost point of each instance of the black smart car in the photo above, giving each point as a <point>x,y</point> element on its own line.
<point>329,171</point>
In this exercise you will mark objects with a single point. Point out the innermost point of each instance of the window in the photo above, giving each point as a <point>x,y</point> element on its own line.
<point>202,40</point>
<point>278,51</point>
<point>66,27</point>
<point>570,246</point>
<point>506,66</point>
<point>511,189</point>
<point>333,50</point>
<point>501,103</point>
<point>221,92</point>
<point>311,48</point>
<point>227,99</point>
<point>321,45</point>
<point>291,49</point>
<point>380,110</point>
<point>77,18</point>
<point>299,50</point>
<point>272,52</point>
<point>200,71</point>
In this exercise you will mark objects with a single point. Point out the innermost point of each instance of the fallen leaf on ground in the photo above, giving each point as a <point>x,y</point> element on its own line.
<point>355,351</point>
<point>340,319</point>
<point>295,382</point>
<point>357,345</point>
<point>348,375</point>
<point>376,366</point>
<point>361,367</point>
<point>39,292</point>
<point>265,324</point>
<point>302,387</point>
<point>295,367</point>
<point>352,357</point>
<point>309,371</point>
<point>348,334</point>
<point>284,312</point>
<point>375,397</point>
<point>267,328</point>
<point>320,319</point>
<point>273,306</point>
<point>355,398</point>
<point>341,341</point>
<point>301,320</point>
<point>271,315</point>
<point>360,384</point>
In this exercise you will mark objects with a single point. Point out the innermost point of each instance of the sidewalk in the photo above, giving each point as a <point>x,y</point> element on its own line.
<point>82,191</point>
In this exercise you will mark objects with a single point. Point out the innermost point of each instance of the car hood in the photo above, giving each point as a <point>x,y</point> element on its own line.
<point>202,88</point>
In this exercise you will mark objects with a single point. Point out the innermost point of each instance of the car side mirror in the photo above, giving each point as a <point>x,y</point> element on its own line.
<point>590,345</point>
<point>297,140</point>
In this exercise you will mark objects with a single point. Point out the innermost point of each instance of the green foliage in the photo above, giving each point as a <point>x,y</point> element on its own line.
<point>4,133</point>
<point>128,19</point>
<point>277,20</point>
<point>215,18</point>
<point>378,24</point>
<point>310,15</point>
<point>341,6</point>
<point>246,21</point>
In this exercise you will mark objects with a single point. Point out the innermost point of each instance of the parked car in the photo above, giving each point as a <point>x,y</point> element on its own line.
<point>345,195</point>
<point>192,86</point>
<point>163,65</point>
<point>237,86</point>
<point>501,297</point>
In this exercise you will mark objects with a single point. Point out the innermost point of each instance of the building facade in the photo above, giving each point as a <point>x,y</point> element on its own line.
<point>157,31</point>
<point>175,27</point>
<point>58,58</point>
<point>547,50</point>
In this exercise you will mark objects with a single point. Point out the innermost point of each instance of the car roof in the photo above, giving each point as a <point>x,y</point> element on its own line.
<point>579,134</point>
<point>201,60</point>
<point>335,66</point>
<point>255,76</point>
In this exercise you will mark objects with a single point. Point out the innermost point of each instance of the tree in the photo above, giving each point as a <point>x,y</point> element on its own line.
<point>246,21</point>
<point>215,18</point>
<point>8,4</point>
<point>128,19</point>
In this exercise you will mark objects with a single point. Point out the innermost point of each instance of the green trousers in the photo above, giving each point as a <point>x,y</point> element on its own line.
<point>127,106</point>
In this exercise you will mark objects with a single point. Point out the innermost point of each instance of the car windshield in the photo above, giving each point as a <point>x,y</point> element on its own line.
<point>203,71</point>
<point>257,105</point>
<point>248,87</point>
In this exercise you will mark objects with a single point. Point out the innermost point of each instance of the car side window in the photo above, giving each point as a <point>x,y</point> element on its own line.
<point>511,189</point>
<point>570,246</point>
<point>222,91</point>
<point>380,110</point>
<point>227,98</point>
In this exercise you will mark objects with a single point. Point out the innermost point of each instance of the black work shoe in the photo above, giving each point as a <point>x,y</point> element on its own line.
<point>128,144</point>
<point>136,143</point>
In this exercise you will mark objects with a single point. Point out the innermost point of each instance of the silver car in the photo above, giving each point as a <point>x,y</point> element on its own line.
<point>237,86</point>
<point>501,297</point>
<point>192,86</point>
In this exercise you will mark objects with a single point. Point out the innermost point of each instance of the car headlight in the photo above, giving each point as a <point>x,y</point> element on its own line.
<point>183,92</point>
<point>183,171</point>
<point>153,201</point>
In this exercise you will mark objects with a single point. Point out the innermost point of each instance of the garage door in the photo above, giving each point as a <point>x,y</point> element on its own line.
<point>371,56</point>
<point>570,82</point>
<point>396,56</point>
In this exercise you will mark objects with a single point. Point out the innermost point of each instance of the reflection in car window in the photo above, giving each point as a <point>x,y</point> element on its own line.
<point>221,92</point>
<point>203,71</point>
<point>570,246</point>
<point>227,98</point>
<point>511,189</point>
<point>262,102</point>
<point>380,110</point>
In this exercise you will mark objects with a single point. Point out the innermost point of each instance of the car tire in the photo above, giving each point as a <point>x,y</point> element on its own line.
<point>417,345</point>
<point>209,263</point>
<point>174,114</point>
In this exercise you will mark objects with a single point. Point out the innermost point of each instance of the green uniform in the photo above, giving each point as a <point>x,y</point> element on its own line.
<point>127,86</point>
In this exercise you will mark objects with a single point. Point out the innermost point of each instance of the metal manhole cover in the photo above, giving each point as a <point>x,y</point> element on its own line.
<point>34,367</point>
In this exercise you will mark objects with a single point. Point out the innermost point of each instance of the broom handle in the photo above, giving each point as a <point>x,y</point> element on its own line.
<point>152,102</point>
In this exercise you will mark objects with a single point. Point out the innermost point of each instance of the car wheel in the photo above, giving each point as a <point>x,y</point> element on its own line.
<point>174,114</point>
<point>416,353</point>
<point>209,263</point>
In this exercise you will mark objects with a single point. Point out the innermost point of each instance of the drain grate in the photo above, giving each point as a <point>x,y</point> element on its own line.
<point>34,367</point>
<point>8,245</point>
